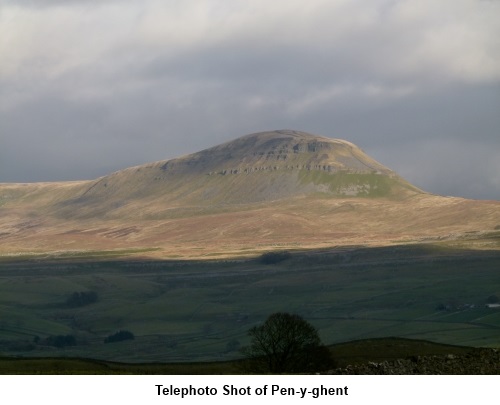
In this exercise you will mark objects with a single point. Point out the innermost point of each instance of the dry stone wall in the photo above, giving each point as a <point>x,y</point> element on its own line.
<point>478,361</point>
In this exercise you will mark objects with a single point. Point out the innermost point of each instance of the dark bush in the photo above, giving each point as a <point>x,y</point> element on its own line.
<point>119,336</point>
<point>274,257</point>
<point>492,299</point>
<point>81,298</point>
<point>60,341</point>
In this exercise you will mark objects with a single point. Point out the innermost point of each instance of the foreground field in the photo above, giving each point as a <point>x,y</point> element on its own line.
<point>192,311</point>
<point>350,356</point>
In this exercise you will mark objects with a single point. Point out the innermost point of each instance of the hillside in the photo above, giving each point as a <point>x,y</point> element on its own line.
<point>254,168</point>
<point>260,191</point>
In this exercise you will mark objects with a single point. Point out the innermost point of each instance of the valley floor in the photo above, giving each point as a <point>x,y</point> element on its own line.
<point>201,310</point>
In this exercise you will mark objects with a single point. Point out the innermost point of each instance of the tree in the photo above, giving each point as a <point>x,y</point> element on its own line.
<point>286,343</point>
<point>119,336</point>
<point>81,298</point>
<point>60,341</point>
<point>274,257</point>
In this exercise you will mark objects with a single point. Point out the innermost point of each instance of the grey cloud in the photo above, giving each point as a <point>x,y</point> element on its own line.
<point>141,98</point>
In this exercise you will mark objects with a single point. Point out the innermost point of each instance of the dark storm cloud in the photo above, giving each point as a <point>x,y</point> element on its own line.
<point>90,90</point>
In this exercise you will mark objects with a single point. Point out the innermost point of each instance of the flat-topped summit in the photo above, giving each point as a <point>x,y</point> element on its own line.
<point>282,149</point>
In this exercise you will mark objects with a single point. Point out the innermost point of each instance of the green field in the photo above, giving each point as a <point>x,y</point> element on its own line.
<point>190,311</point>
<point>350,353</point>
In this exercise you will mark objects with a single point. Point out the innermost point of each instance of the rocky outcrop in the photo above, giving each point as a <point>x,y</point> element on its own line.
<point>478,361</point>
<point>324,168</point>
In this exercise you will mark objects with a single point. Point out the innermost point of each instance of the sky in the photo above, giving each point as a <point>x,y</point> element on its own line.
<point>88,87</point>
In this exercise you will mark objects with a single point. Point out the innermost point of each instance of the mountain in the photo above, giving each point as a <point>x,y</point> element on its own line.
<point>258,167</point>
<point>277,188</point>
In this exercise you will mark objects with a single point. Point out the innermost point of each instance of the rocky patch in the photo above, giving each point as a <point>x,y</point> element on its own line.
<point>478,361</point>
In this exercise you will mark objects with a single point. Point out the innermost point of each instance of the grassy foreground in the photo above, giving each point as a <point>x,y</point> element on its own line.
<point>349,353</point>
<point>201,311</point>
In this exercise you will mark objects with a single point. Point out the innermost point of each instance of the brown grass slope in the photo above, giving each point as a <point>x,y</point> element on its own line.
<point>261,191</point>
